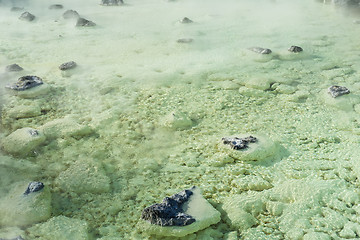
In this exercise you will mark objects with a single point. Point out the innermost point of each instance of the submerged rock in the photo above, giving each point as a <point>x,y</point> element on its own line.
<point>67,65</point>
<point>239,143</point>
<point>169,212</point>
<point>295,49</point>
<point>26,16</point>
<point>111,2</point>
<point>185,40</point>
<point>186,20</point>
<point>16,9</point>
<point>260,50</point>
<point>56,6</point>
<point>34,187</point>
<point>16,238</point>
<point>71,14</point>
<point>82,22</point>
<point>13,68</point>
<point>336,91</point>
<point>26,82</point>
<point>195,206</point>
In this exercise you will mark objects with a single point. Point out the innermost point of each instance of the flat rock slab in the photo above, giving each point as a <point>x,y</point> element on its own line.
<point>185,40</point>
<point>260,150</point>
<point>26,16</point>
<point>112,2</point>
<point>260,50</point>
<point>19,209</point>
<point>23,141</point>
<point>56,6</point>
<point>197,207</point>
<point>60,228</point>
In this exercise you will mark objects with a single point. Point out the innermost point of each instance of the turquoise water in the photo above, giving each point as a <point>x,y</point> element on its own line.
<point>142,116</point>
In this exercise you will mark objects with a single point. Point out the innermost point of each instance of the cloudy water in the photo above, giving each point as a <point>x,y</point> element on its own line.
<point>154,104</point>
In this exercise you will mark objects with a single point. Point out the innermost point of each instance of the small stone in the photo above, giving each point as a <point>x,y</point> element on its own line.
<point>111,2</point>
<point>56,6</point>
<point>169,212</point>
<point>16,9</point>
<point>26,82</point>
<point>261,50</point>
<point>185,40</point>
<point>71,14</point>
<point>186,20</point>
<point>295,49</point>
<point>67,65</point>
<point>26,16</point>
<point>34,187</point>
<point>336,91</point>
<point>13,68</point>
<point>239,143</point>
<point>82,22</point>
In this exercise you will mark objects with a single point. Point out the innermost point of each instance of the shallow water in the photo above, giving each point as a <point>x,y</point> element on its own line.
<point>157,110</point>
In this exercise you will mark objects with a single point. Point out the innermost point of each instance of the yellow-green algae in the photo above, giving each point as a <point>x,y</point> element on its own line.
<point>114,145</point>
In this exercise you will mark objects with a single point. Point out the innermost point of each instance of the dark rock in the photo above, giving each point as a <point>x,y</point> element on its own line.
<point>185,40</point>
<point>336,91</point>
<point>34,187</point>
<point>260,50</point>
<point>26,82</point>
<point>239,143</point>
<point>13,68</point>
<point>26,16</point>
<point>112,2</point>
<point>16,9</point>
<point>169,212</point>
<point>82,22</point>
<point>33,132</point>
<point>186,20</point>
<point>56,6</point>
<point>71,14</point>
<point>295,49</point>
<point>67,65</point>
<point>16,238</point>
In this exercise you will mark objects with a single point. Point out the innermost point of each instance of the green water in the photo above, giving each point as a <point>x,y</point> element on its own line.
<point>154,112</point>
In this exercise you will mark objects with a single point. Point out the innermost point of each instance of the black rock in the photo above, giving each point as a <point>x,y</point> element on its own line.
<point>82,22</point>
<point>13,68</point>
<point>112,2</point>
<point>26,82</point>
<point>71,14</point>
<point>26,16</point>
<point>34,187</point>
<point>186,20</point>
<point>295,49</point>
<point>185,40</point>
<point>260,50</point>
<point>336,91</point>
<point>33,132</point>
<point>56,6</point>
<point>239,143</point>
<point>16,9</point>
<point>169,212</point>
<point>67,65</point>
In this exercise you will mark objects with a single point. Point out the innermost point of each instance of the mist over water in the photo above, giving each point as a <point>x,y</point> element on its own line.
<point>142,116</point>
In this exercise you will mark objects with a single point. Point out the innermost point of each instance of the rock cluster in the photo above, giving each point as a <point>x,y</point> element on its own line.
<point>169,212</point>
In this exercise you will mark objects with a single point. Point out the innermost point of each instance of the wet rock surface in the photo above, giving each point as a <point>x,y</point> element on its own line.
<point>112,2</point>
<point>26,82</point>
<point>260,50</point>
<point>26,16</point>
<point>169,212</point>
<point>239,143</point>
<point>337,91</point>
<point>295,49</point>
<point>56,6</point>
<point>13,68</point>
<point>67,65</point>
<point>82,22</point>
<point>34,187</point>
<point>185,40</point>
<point>186,20</point>
<point>71,14</point>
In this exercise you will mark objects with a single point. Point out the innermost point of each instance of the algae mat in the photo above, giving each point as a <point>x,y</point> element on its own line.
<point>143,114</point>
